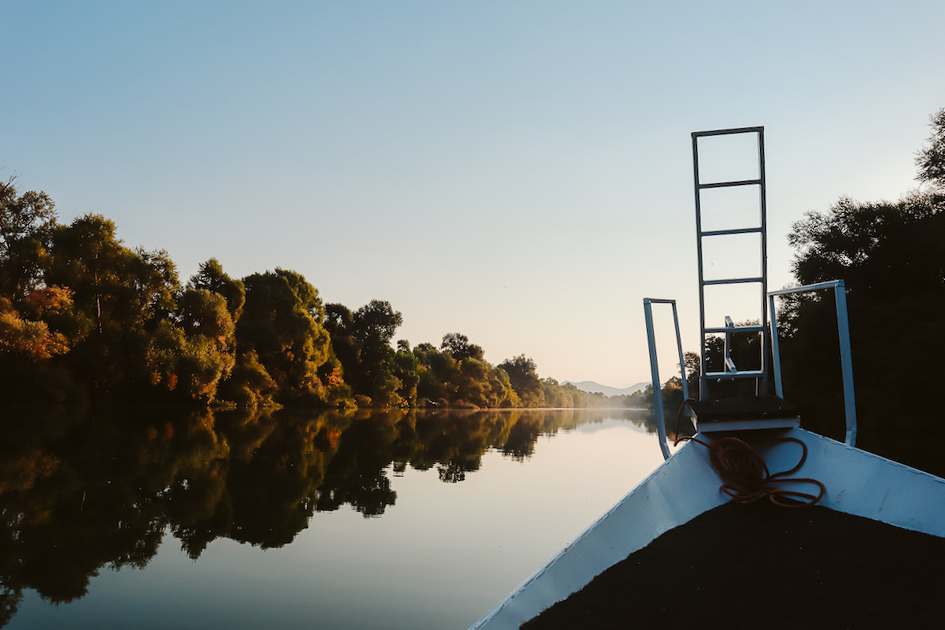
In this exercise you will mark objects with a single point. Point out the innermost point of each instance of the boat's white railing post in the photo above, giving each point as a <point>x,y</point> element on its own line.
<point>655,368</point>
<point>846,357</point>
<point>846,361</point>
<point>775,348</point>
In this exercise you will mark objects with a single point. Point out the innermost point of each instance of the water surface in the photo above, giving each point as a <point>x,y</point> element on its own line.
<point>152,519</point>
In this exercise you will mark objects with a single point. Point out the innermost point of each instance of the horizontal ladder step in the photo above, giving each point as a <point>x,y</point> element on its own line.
<point>733,280</point>
<point>740,182</point>
<point>750,230</point>
<point>743,374</point>
<point>736,329</point>
<point>759,129</point>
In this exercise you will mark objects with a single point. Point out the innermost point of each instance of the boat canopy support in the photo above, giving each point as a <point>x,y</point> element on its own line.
<point>655,367</point>
<point>710,413</point>
<point>843,332</point>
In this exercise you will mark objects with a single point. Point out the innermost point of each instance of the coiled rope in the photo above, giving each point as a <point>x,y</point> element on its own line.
<point>745,476</point>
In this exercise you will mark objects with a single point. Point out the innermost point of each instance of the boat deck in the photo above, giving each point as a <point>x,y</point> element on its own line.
<point>759,565</point>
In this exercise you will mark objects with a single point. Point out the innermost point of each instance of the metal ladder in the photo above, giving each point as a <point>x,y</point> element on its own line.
<point>729,328</point>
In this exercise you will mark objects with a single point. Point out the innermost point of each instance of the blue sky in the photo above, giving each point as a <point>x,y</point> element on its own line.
<point>519,172</point>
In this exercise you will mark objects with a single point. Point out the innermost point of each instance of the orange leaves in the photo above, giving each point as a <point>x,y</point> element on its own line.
<point>54,299</point>
<point>22,337</point>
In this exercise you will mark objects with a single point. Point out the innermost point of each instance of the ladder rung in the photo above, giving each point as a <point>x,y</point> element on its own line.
<point>752,230</point>
<point>743,374</point>
<point>736,329</point>
<point>740,182</point>
<point>728,132</point>
<point>732,280</point>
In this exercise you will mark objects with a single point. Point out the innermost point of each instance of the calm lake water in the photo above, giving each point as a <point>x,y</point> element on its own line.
<point>151,519</point>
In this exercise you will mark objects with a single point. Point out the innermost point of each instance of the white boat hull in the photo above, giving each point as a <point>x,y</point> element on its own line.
<point>686,485</point>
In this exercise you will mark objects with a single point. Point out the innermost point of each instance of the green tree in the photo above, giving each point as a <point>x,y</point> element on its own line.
<point>458,345</point>
<point>202,312</point>
<point>278,323</point>
<point>406,369</point>
<point>374,326</point>
<point>37,321</point>
<point>115,288</point>
<point>891,256</point>
<point>249,384</point>
<point>555,396</point>
<point>523,375</point>
<point>305,293</point>
<point>210,276</point>
<point>376,322</point>
<point>884,250</point>
<point>339,322</point>
<point>25,224</point>
<point>193,356</point>
<point>472,387</point>
<point>438,371</point>
<point>500,387</point>
<point>120,296</point>
<point>693,365</point>
<point>362,343</point>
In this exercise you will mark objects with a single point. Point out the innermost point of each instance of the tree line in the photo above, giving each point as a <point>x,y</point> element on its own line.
<point>84,317</point>
<point>891,256</point>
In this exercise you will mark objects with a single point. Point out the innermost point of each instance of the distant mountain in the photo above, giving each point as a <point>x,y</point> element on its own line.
<point>592,387</point>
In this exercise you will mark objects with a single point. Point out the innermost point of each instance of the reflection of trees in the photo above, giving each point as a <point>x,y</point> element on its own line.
<point>87,491</point>
<point>274,492</point>
<point>98,498</point>
<point>457,441</point>
<point>522,436</point>
<point>200,508</point>
<point>453,471</point>
<point>355,474</point>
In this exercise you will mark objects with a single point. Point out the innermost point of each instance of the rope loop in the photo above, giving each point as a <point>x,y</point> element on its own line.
<point>745,476</point>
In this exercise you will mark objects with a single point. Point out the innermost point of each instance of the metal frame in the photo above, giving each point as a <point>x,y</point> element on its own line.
<point>846,359</point>
<point>655,368</point>
<point>730,370</point>
<point>768,321</point>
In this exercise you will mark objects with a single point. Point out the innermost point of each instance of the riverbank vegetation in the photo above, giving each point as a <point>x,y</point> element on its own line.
<point>84,317</point>
<point>891,256</point>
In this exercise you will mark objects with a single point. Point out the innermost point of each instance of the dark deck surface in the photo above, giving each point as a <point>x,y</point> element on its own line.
<point>763,566</point>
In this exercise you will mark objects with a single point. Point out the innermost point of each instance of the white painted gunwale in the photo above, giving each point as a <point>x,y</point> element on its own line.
<point>686,485</point>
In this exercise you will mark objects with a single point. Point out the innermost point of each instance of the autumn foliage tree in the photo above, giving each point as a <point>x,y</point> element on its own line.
<point>81,311</point>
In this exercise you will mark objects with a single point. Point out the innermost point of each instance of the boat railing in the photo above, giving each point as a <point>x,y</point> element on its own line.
<point>843,332</point>
<point>655,368</point>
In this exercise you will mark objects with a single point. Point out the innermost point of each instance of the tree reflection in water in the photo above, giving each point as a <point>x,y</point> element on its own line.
<point>79,492</point>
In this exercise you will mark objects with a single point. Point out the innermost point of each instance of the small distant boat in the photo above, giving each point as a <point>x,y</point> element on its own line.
<point>743,449</point>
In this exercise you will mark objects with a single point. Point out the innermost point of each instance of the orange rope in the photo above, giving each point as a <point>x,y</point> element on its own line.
<point>745,475</point>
